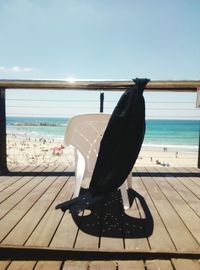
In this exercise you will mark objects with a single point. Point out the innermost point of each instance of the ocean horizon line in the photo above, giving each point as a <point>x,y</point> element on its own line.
<point>68,117</point>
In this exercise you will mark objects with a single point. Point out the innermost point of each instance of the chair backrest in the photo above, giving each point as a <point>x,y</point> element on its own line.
<point>84,132</point>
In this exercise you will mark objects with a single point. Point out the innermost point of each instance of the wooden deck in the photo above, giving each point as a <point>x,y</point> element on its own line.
<point>160,231</point>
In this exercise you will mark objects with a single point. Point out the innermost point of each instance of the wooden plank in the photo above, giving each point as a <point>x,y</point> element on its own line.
<point>188,216</point>
<point>178,232</point>
<point>130,265</point>
<point>17,213</point>
<point>89,225</point>
<point>15,187</point>
<point>135,225</point>
<point>26,225</point>
<point>160,239</point>
<point>193,169</point>
<point>98,265</point>
<point>185,193</point>
<point>43,233</point>
<point>10,178</point>
<point>191,185</point>
<point>136,242</point>
<point>4,265</point>
<point>21,265</point>
<point>48,265</point>
<point>8,173</point>
<point>76,265</point>
<point>192,173</point>
<point>86,239</point>
<point>27,183</point>
<point>185,264</point>
<point>66,232</point>
<point>112,223</point>
<point>158,264</point>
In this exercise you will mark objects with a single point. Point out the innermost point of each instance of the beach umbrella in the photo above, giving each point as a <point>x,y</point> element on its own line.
<point>119,148</point>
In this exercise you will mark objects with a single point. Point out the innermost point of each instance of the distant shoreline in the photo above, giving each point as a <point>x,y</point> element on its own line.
<point>40,124</point>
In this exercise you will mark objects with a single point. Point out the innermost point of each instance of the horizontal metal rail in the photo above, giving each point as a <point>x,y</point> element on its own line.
<point>172,85</point>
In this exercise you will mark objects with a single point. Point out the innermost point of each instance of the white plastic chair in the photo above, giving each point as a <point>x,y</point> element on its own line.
<point>84,133</point>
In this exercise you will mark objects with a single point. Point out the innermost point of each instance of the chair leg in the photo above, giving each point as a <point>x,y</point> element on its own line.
<point>129,180</point>
<point>124,194</point>
<point>80,170</point>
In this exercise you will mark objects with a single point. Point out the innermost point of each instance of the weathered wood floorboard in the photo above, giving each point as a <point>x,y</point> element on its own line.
<point>159,239</point>
<point>174,264</point>
<point>176,228</point>
<point>188,216</point>
<point>164,218</point>
<point>9,179</point>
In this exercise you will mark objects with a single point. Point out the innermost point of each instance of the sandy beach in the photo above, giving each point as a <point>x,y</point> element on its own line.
<point>42,152</point>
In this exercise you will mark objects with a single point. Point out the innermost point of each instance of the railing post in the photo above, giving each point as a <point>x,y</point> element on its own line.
<point>3,155</point>
<point>198,163</point>
<point>101,101</point>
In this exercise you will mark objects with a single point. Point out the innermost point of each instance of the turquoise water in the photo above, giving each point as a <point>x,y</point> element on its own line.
<point>158,132</point>
<point>31,127</point>
<point>172,132</point>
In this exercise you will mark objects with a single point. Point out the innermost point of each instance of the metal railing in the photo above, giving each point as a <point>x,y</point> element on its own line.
<point>122,85</point>
<point>185,85</point>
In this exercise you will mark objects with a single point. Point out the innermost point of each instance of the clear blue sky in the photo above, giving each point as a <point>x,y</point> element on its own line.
<point>107,39</point>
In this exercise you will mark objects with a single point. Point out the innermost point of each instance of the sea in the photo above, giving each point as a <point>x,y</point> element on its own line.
<point>159,132</point>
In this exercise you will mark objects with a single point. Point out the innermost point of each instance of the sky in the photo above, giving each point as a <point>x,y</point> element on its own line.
<point>93,39</point>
